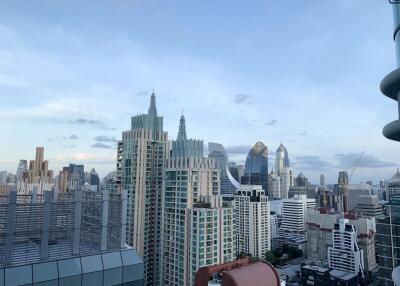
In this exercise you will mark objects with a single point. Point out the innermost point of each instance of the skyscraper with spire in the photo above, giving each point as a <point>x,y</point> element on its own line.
<point>141,158</point>
<point>281,159</point>
<point>198,227</point>
<point>183,147</point>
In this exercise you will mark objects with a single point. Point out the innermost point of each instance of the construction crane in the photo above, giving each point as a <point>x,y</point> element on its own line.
<point>356,165</point>
<point>345,186</point>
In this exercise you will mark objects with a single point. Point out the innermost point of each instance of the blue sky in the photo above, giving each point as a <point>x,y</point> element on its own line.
<point>303,72</point>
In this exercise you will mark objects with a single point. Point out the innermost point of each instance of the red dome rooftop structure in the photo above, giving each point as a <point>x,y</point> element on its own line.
<point>238,273</point>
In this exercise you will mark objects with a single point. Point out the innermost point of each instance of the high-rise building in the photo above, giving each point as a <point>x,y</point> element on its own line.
<point>3,177</point>
<point>21,170</point>
<point>38,169</point>
<point>387,241</point>
<point>285,177</point>
<point>311,191</point>
<point>321,223</point>
<point>256,167</point>
<point>390,86</point>
<point>218,153</point>
<point>355,191</point>
<point>322,180</point>
<point>38,176</point>
<point>294,213</point>
<point>198,227</point>
<point>240,169</point>
<point>393,186</point>
<point>66,239</point>
<point>301,180</point>
<point>345,255</point>
<point>342,191</point>
<point>274,186</point>
<point>94,179</point>
<point>252,220</point>
<point>144,150</point>
<point>327,199</point>
<point>281,159</point>
<point>368,206</point>
<point>78,170</point>
<point>233,169</point>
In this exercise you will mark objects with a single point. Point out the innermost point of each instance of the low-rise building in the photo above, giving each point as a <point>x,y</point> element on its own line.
<point>69,239</point>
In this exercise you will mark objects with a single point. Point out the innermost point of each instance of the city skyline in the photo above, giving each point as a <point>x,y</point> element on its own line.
<point>62,93</point>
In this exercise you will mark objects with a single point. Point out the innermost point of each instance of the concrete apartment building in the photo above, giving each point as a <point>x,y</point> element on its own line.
<point>252,221</point>
<point>141,158</point>
<point>321,223</point>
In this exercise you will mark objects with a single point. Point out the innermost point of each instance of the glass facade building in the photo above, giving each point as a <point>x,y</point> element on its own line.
<point>387,241</point>
<point>218,153</point>
<point>256,167</point>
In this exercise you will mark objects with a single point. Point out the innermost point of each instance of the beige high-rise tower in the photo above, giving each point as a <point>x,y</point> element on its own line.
<point>141,158</point>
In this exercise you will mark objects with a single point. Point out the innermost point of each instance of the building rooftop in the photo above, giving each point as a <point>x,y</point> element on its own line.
<point>343,275</point>
<point>240,272</point>
<point>256,274</point>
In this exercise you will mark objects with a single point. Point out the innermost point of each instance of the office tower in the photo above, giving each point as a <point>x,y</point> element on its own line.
<point>218,153</point>
<point>198,227</point>
<point>233,169</point>
<point>275,222</point>
<point>294,213</point>
<point>21,170</point>
<point>368,205</point>
<point>252,220</point>
<point>327,199</point>
<point>281,159</point>
<point>387,241</point>
<point>274,186</point>
<point>78,170</point>
<point>322,180</point>
<point>3,177</point>
<point>301,180</point>
<point>240,169</point>
<point>38,176</point>
<point>143,155</point>
<point>292,178</point>
<point>341,189</point>
<point>309,190</point>
<point>38,169</point>
<point>285,182</point>
<point>393,186</point>
<point>62,180</point>
<point>345,255</point>
<point>354,191</point>
<point>66,239</point>
<point>321,223</point>
<point>256,167</point>
<point>94,179</point>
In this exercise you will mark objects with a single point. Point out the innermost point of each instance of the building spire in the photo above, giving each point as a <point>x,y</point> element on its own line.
<point>182,129</point>
<point>152,108</point>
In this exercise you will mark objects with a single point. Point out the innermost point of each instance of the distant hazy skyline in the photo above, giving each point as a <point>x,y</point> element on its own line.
<point>303,72</point>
